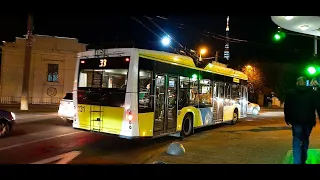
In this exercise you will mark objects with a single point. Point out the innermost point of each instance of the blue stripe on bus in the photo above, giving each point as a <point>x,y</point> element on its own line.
<point>206,115</point>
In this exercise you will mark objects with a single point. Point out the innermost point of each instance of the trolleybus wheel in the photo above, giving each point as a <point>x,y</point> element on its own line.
<point>4,128</point>
<point>235,117</point>
<point>187,126</point>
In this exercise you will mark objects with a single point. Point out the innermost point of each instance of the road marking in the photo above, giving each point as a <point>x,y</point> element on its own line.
<point>64,158</point>
<point>44,139</point>
<point>313,157</point>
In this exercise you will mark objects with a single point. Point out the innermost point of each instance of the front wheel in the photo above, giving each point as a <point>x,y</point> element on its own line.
<point>187,126</point>
<point>4,128</point>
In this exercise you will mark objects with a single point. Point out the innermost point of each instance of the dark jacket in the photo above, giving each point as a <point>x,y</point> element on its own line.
<point>301,105</point>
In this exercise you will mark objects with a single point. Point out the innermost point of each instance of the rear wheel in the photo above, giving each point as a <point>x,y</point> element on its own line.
<point>67,121</point>
<point>235,117</point>
<point>4,128</point>
<point>187,126</point>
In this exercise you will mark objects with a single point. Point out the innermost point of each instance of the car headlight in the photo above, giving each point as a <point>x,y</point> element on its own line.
<point>13,116</point>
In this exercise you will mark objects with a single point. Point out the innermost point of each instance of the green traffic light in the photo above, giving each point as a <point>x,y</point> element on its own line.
<point>277,37</point>
<point>312,70</point>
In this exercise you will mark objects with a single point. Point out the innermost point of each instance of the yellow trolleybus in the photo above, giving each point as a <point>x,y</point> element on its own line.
<point>136,93</point>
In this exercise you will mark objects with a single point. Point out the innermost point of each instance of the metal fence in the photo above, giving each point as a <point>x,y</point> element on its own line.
<point>32,100</point>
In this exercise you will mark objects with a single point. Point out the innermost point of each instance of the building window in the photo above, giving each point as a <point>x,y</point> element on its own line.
<point>53,70</point>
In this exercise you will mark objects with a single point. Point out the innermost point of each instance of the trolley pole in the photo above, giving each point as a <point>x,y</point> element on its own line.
<point>26,70</point>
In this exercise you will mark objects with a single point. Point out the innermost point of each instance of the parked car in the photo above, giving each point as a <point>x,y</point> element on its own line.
<point>7,121</point>
<point>66,108</point>
<point>253,108</point>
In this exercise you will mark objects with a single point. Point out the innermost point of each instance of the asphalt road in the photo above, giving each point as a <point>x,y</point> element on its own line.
<point>46,139</point>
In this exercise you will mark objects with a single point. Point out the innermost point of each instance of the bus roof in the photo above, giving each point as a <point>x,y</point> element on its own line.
<point>176,59</point>
<point>187,61</point>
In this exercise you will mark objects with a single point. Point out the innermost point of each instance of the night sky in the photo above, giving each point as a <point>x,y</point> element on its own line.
<point>103,30</point>
<point>100,29</point>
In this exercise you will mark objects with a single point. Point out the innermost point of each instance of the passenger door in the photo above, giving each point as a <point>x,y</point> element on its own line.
<point>165,116</point>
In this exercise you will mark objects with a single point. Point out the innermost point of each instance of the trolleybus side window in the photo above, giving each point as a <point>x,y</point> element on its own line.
<point>227,95</point>
<point>184,96</point>
<point>221,91</point>
<point>205,94</point>
<point>194,95</point>
<point>236,92</point>
<point>145,98</point>
<point>228,91</point>
<point>215,90</point>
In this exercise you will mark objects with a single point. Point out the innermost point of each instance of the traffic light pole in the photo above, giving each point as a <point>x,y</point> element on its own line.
<point>315,45</point>
<point>305,35</point>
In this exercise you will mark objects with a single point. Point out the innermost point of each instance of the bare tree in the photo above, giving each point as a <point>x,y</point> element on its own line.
<point>254,75</point>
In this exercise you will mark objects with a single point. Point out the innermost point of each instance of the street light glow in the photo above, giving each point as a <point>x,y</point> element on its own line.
<point>203,51</point>
<point>165,41</point>
<point>312,70</point>
<point>288,18</point>
<point>194,76</point>
<point>304,27</point>
<point>277,36</point>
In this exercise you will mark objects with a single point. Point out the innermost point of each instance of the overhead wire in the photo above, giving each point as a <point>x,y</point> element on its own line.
<point>224,38</point>
<point>185,50</point>
<point>205,32</point>
<point>145,26</point>
<point>150,19</point>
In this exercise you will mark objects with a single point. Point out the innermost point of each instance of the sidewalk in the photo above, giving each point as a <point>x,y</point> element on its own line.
<point>33,108</point>
<point>271,109</point>
<point>249,144</point>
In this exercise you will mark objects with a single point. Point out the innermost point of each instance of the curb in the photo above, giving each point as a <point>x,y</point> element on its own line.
<point>152,156</point>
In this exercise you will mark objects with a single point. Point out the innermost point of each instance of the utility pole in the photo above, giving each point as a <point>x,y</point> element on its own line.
<point>216,56</point>
<point>26,70</point>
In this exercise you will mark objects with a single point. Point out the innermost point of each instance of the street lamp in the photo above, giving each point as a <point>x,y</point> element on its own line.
<point>288,18</point>
<point>165,41</point>
<point>249,68</point>
<point>202,52</point>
